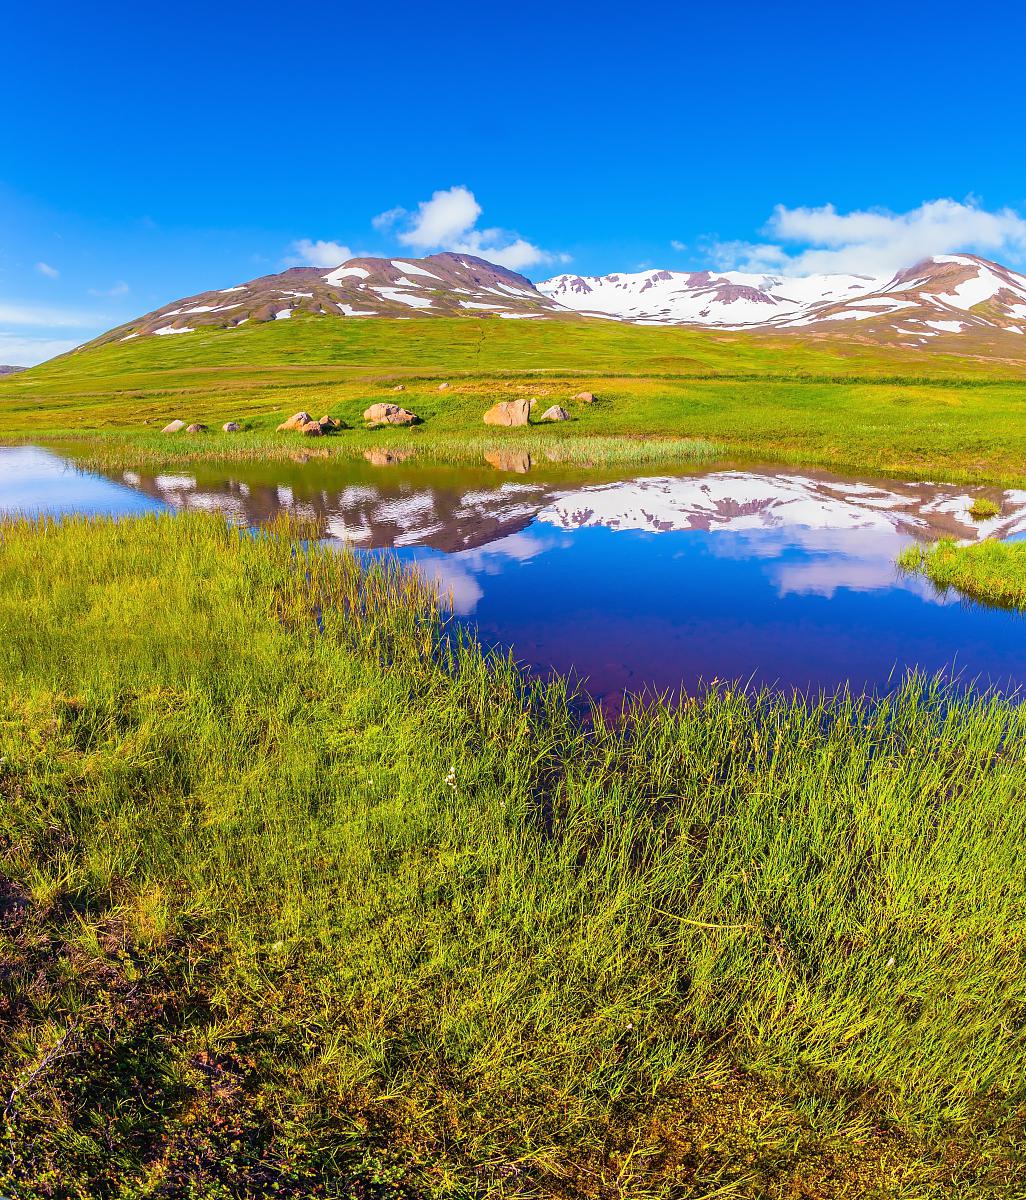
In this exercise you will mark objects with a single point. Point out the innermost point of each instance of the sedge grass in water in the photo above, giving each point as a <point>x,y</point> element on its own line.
<point>990,571</point>
<point>300,898</point>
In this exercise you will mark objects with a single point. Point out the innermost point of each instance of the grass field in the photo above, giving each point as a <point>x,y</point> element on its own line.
<point>834,403</point>
<point>989,571</point>
<point>297,901</point>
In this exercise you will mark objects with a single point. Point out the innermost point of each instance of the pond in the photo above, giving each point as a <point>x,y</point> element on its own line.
<point>655,581</point>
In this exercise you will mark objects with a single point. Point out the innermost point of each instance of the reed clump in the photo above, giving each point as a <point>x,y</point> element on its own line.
<point>990,571</point>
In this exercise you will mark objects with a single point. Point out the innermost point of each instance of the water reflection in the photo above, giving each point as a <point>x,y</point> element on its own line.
<point>655,581</point>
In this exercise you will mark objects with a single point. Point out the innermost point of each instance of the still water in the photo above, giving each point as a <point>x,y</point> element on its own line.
<point>654,581</point>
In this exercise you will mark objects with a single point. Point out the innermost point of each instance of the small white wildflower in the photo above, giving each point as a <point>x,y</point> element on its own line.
<point>890,962</point>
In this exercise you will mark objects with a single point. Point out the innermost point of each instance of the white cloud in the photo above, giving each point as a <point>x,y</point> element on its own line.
<point>320,253</point>
<point>448,221</point>
<point>118,289</point>
<point>446,217</point>
<point>678,245</point>
<point>18,351</point>
<point>45,269</point>
<point>875,241</point>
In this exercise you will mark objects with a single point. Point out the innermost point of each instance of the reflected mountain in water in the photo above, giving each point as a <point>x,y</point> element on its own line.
<point>452,510</point>
<point>759,500</point>
<point>754,573</point>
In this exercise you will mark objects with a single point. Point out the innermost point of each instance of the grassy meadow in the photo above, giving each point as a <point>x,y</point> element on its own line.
<point>807,400</point>
<point>302,898</point>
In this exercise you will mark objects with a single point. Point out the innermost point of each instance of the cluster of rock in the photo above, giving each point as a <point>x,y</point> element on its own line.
<point>302,422</point>
<point>507,413</point>
<point>196,427</point>
<point>518,412</point>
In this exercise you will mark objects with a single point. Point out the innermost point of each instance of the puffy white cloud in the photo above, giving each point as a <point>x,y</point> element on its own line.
<point>443,219</point>
<point>45,269</point>
<point>448,221</point>
<point>319,253</point>
<point>875,241</point>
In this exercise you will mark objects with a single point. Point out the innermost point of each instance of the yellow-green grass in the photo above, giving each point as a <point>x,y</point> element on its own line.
<point>301,899</point>
<point>989,571</point>
<point>818,401</point>
<point>982,509</point>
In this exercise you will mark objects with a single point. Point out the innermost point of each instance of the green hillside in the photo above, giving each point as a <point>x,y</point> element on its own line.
<point>813,399</point>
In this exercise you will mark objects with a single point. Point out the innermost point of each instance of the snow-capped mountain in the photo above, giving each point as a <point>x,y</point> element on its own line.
<point>942,301</point>
<point>727,298</point>
<point>442,285</point>
<point>947,294</point>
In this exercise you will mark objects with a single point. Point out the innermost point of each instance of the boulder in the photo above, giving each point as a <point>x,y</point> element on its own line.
<point>585,397</point>
<point>518,461</point>
<point>442,387</point>
<point>555,413</point>
<point>389,414</point>
<point>327,424</point>
<point>508,412</point>
<point>296,421</point>
<point>399,387</point>
<point>378,456</point>
<point>174,427</point>
<point>196,428</point>
<point>231,427</point>
<point>312,429</point>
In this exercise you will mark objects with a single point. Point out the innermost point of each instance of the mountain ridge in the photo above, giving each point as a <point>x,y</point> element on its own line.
<point>944,300</point>
<point>943,294</point>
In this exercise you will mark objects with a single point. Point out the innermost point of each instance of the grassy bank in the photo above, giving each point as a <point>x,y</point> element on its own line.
<point>280,921</point>
<point>989,571</point>
<point>839,404</point>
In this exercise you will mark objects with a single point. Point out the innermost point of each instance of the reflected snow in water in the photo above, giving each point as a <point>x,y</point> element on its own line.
<point>654,582</point>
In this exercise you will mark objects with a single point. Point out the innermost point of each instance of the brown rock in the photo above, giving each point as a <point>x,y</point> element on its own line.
<point>329,423</point>
<point>389,414</point>
<point>312,429</point>
<point>555,413</point>
<point>379,457</point>
<point>196,428</point>
<point>442,387</point>
<point>509,413</point>
<point>231,427</point>
<point>518,461</point>
<point>174,427</point>
<point>296,421</point>
<point>585,397</point>
<point>399,387</point>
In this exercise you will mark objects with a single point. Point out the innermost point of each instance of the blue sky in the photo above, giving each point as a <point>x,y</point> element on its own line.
<point>153,151</point>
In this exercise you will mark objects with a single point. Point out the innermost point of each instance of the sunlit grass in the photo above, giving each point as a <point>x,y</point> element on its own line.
<point>298,890</point>
<point>804,400</point>
<point>990,571</point>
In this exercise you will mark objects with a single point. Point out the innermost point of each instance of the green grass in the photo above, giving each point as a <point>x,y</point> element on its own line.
<point>989,571</point>
<point>983,509</point>
<point>293,894</point>
<point>808,400</point>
